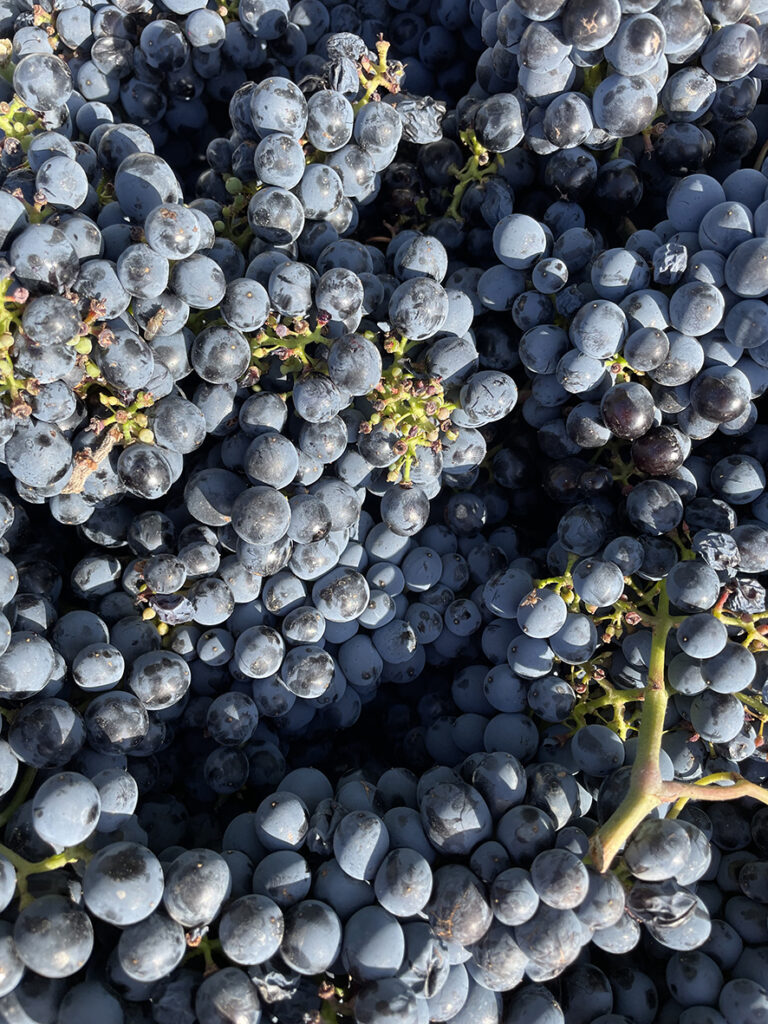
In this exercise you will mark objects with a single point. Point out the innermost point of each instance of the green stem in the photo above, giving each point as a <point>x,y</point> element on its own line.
<point>16,120</point>
<point>557,583</point>
<point>612,699</point>
<point>370,89</point>
<point>592,78</point>
<point>709,788</point>
<point>753,635</point>
<point>645,780</point>
<point>628,608</point>
<point>687,554</point>
<point>328,1013</point>
<point>706,780</point>
<point>649,740</point>
<point>476,168</point>
<point>648,597</point>
<point>755,705</point>
<point>206,948</point>
<point>24,868</point>
<point>381,75</point>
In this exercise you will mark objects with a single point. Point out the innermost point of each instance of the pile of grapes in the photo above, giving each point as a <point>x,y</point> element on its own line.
<point>383,512</point>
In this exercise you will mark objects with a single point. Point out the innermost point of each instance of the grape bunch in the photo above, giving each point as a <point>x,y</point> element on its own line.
<point>383,518</point>
<point>676,82</point>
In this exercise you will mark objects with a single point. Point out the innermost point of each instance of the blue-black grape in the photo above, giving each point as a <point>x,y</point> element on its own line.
<point>53,937</point>
<point>312,937</point>
<point>130,870</point>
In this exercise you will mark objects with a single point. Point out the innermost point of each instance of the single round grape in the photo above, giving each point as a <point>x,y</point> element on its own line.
<point>66,809</point>
<point>197,882</point>
<point>123,883</point>
<point>251,929</point>
<point>228,994</point>
<point>150,949</point>
<point>53,936</point>
<point>312,938</point>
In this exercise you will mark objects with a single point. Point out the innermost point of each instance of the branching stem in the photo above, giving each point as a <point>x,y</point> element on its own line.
<point>24,868</point>
<point>645,781</point>
<point>647,789</point>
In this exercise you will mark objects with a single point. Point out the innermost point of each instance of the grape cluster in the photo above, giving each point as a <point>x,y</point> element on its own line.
<point>383,517</point>
<point>678,79</point>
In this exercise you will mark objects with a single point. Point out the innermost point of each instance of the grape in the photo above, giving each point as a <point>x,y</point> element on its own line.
<point>251,929</point>
<point>143,181</point>
<point>603,906</point>
<point>627,410</point>
<point>497,961</point>
<point>541,613</point>
<point>597,750</point>
<point>150,949</point>
<point>373,945</point>
<point>440,807</point>
<point>693,586</point>
<point>39,455</point>
<point>623,105</point>
<point>392,994</point>
<point>47,733</point>
<point>196,884</point>
<point>457,908</point>
<point>498,777</point>
<point>498,122</point>
<point>53,937</point>
<point>159,679</point>
<point>226,993</point>
<point>598,583</point>
<point>66,809</point>
<point>329,120</point>
<point>312,938</point>
<point>275,820</point>
<point>657,850</point>
<point>551,698</point>
<point>118,795</point>
<point>659,452</point>
<point>418,308</point>
<point>129,869</point>
<point>738,478</point>
<point>513,897</point>
<point>654,507</point>
<point>145,471</point>
<point>278,105</point>
<point>360,843</point>
<point>42,81</point>
<point>525,831</point>
<point>549,933</point>
<point>716,716</point>
<point>283,876</point>
<point>260,274</point>
<point>730,670</point>
<point>232,719</point>
<point>519,241</point>
<point>308,671</point>
<point>276,215</point>
<point>683,968</point>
